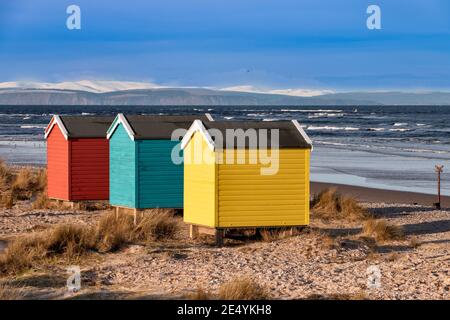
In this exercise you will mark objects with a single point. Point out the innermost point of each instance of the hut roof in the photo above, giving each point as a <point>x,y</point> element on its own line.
<point>81,126</point>
<point>154,127</point>
<point>291,134</point>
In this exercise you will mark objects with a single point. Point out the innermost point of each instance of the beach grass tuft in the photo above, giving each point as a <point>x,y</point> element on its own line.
<point>6,200</point>
<point>382,231</point>
<point>20,184</point>
<point>70,242</point>
<point>273,234</point>
<point>42,202</point>
<point>157,224</point>
<point>114,231</point>
<point>199,294</point>
<point>242,289</point>
<point>331,205</point>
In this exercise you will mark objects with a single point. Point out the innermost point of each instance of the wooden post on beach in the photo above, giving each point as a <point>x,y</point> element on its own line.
<point>439,170</point>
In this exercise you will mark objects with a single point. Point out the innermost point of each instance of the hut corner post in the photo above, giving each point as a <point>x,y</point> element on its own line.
<point>193,231</point>
<point>220,234</point>
<point>438,169</point>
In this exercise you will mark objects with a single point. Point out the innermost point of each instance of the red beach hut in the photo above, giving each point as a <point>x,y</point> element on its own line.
<point>78,158</point>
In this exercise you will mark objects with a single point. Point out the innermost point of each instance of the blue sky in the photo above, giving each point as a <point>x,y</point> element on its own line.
<point>321,44</point>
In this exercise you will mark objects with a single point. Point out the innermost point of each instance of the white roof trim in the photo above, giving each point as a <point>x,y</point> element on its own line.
<point>303,133</point>
<point>197,126</point>
<point>120,119</point>
<point>56,120</point>
<point>209,117</point>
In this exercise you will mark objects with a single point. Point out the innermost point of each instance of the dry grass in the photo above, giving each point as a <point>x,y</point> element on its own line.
<point>6,175</point>
<point>114,231</point>
<point>157,224</point>
<point>70,242</point>
<point>273,234</point>
<point>381,231</point>
<point>328,242</point>
<point>28,183</point>
<point>242,289</point>
<point>6,200</point>
<point>63,241</point>
<point>20,185</point>
<point>270,235</point>
<point>414,242</point>
<point>42,202</point>
<point>21,254</point>
<point>331,205</point>
<point>10,293</point>
<point>393,256</point>
<point>199,294</point>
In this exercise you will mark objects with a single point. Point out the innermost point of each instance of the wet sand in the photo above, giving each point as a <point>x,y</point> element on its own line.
<point>380,195</point>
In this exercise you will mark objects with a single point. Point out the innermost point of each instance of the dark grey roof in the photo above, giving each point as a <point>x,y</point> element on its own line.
<point>289,136</point>
<point>86,126</point>
<point>154,127</point>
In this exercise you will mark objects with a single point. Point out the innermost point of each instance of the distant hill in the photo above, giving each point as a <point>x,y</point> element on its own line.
<point>199,96</point>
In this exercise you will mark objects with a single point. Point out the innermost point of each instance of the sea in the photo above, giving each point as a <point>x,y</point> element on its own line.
<point>385,147</point>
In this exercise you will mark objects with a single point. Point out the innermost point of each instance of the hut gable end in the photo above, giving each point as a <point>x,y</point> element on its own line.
<point>56,121</point>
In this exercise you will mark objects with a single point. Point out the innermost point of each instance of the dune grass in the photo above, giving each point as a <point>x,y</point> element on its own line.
<point>70,242</point>
<point>331,205</point>
<point>6,175</point>
<point>200,294</point>
<point>42,202</point>
<point>20,184</point>
<point>274,234</point>
<point>382,231</point>
<point>6,200</point>
<point>242,289</point>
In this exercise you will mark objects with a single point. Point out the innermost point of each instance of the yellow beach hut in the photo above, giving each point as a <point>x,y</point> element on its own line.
<point>240,174</point>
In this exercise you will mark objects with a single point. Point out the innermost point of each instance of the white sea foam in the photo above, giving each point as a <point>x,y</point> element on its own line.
<point>26,126</point>
<point>376,129</point>
<point>400,130</point>
<point>256,114</point>
<point>310,110</point>
<point>325,115</point>
<point>400,124</point>
<point>322,128</point>
<point>332,128</point>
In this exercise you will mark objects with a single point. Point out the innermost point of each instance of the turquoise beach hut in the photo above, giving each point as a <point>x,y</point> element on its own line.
<point>142,172</point>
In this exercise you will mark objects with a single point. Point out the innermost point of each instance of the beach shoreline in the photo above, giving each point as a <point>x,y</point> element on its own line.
<point>366,194</point>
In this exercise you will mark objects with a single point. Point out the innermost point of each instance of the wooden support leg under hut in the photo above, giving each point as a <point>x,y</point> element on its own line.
<point>219,234</point>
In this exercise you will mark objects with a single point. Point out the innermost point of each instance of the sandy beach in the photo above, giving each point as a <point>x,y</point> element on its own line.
<point>329,259</point>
